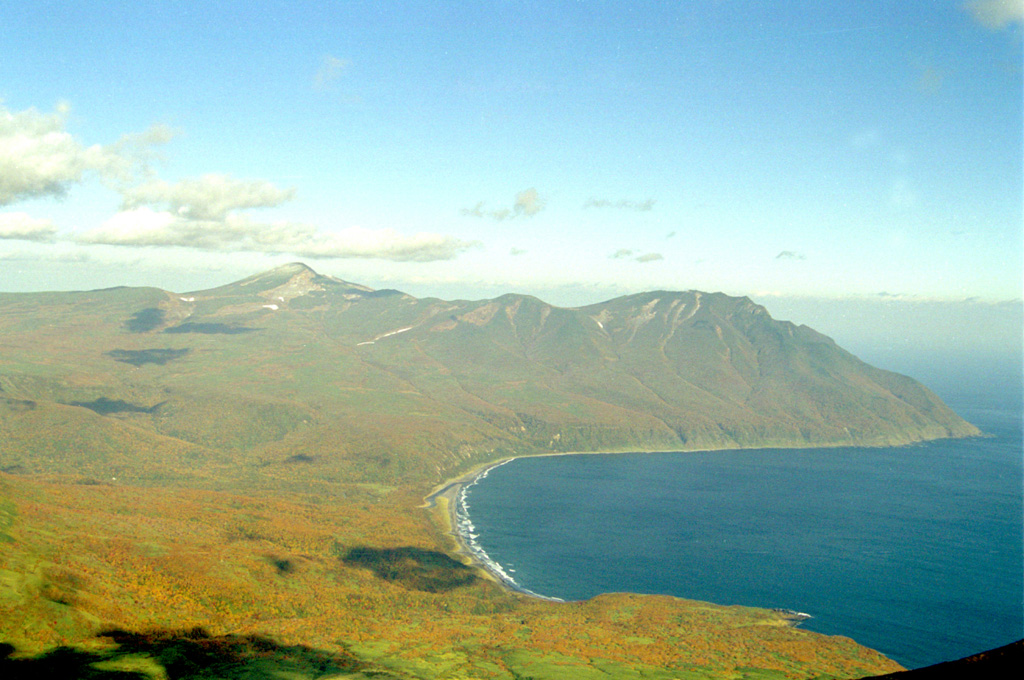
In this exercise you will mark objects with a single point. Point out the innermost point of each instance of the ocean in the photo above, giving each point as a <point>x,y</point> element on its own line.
<point>915,551</point>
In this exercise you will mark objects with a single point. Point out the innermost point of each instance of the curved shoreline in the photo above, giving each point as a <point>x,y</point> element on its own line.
<point>460,527</point>
<point>452,493</point>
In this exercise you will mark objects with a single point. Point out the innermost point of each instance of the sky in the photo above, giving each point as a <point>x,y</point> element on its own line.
<point>821,158</point>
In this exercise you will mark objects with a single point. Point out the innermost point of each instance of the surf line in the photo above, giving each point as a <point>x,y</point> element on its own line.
<point>466,533</point>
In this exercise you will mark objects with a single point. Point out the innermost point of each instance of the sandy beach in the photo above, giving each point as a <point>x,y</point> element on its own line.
<point>444,503</point>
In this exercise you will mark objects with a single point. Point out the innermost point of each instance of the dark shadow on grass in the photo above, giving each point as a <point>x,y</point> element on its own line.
<point>146,320</point>
<point>283,565</point>
<point>210,329</point>
<point>183,655</point>
<point>414,568</point>
<point>141,357</point>
<point>105,406</point>
<point>18,405</point>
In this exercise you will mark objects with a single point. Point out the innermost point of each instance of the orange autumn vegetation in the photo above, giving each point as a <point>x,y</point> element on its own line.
<point>83,558</point>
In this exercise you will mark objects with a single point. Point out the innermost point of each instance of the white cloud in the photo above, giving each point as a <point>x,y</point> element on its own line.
<point>146,227</point>
<point>331,68</point>
<point>210,197</point>
<point>140,226</point>
<point>622,204</point>
<point>24,227</point>
<point>630,254</point>
<point>39,158</point>
<point>478,211</point>
<point>204,213</point>
<point>996,14</point>
<point>384,244</point>
<point>527,204</point>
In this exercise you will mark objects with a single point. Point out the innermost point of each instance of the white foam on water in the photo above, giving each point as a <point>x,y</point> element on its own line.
<point>467,531</point>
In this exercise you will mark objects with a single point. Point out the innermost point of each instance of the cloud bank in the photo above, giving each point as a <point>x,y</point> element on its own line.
<point>24,227</point>
<point>144,226</point>
<point>39,158</point>
<point>211,197</point>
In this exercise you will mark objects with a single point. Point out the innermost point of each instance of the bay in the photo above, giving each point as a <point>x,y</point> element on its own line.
<point>915,551</point>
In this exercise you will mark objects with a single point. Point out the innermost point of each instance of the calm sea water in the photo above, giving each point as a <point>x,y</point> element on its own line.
<point>914,551</point>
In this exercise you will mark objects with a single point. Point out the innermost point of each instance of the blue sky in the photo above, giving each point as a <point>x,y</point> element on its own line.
<point>574,150</point>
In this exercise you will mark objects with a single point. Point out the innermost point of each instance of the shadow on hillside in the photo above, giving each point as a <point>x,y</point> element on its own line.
<point>182,655</point>
<point>141,357</point>
<point>210,328</point>
<point>414,568</point>
<point>18,405</point>
<point>146,320</point>
<point>104,406</point>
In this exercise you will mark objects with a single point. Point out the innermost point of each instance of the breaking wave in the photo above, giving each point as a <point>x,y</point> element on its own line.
<point>467,531</point>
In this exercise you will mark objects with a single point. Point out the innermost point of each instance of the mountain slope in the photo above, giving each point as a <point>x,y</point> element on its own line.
<point>242,469</point>
<point>382,386</point>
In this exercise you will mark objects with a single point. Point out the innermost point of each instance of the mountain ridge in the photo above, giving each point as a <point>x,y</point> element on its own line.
<point>443,385</point>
